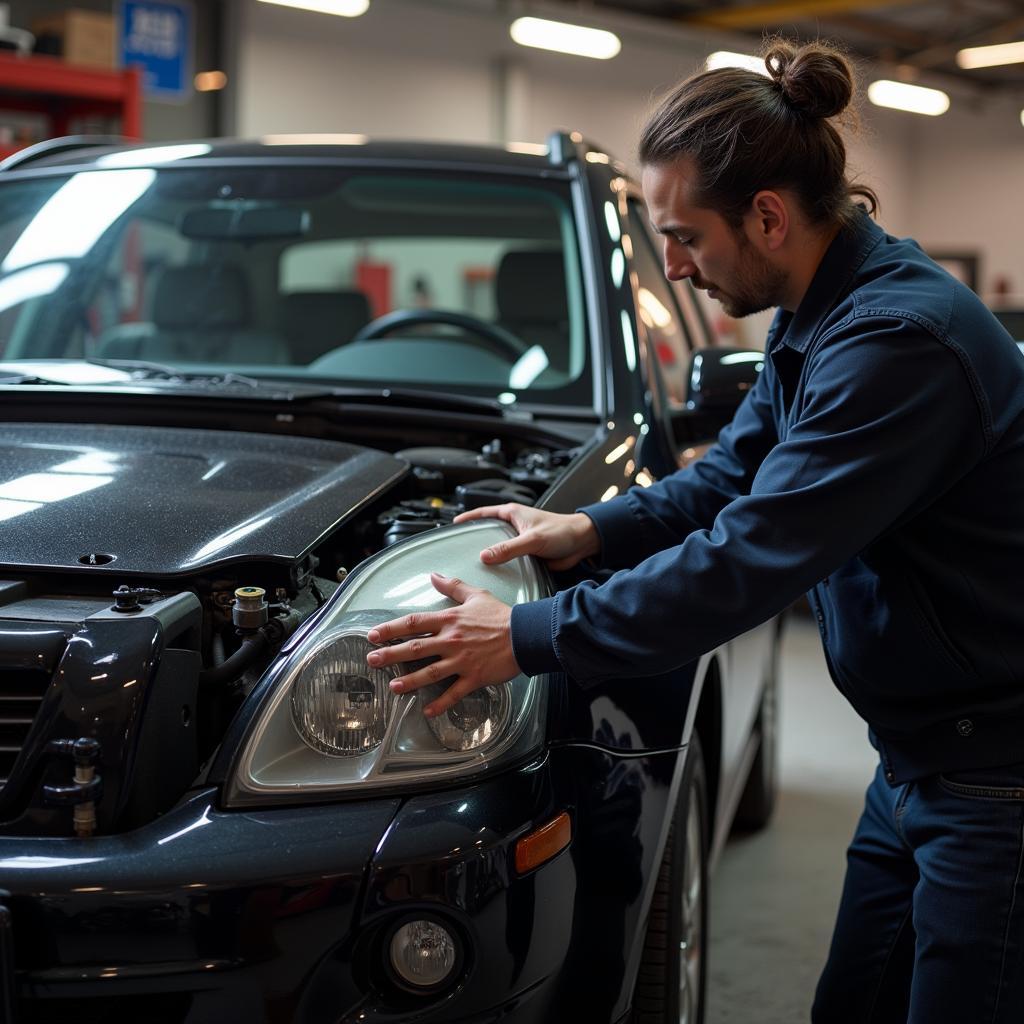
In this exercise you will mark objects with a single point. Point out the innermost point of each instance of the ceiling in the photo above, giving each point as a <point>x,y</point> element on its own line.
<point>917,36</point>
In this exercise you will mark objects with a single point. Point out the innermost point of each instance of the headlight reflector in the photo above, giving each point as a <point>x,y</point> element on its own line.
<point>474,720</point>
<point>340,706</point>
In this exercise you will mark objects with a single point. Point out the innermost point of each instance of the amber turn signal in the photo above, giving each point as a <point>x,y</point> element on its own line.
<point>543,843</point>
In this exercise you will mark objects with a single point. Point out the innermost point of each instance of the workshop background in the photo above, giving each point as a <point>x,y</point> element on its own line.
<point>449,70</point>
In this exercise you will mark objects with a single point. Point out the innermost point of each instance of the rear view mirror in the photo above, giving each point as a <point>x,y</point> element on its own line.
<point>252,224</point>
<point>719,380</point>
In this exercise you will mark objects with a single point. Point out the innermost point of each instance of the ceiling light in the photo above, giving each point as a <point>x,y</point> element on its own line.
<point>563,38</point>
<point>725,59</point>
<point>990,56</point>
<point>914,98</point>
<point>210,81</point>
<point>315,140</point>
<point>346,8</point>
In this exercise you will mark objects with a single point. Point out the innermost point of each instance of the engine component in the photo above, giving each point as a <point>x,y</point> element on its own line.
<point>86,787</point>
<point>456,465</point>
<point>250,610</point>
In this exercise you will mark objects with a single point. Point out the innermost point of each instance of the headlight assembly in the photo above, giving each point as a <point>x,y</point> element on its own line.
<point>330,723</point>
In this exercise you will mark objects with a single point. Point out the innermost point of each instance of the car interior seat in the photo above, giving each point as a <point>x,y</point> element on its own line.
<point>199,314</point>
<point>315,322</point>
<point>532,303</point>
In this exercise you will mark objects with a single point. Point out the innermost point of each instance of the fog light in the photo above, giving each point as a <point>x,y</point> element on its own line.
<point>423,953</point>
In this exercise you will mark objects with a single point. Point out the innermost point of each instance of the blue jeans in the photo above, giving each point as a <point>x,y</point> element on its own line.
<point>931,922</point>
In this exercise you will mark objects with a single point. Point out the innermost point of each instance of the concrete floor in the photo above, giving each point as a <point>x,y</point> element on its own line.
<point>774,894</point>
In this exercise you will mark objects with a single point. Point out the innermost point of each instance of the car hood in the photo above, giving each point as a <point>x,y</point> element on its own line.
<point>166,501</point>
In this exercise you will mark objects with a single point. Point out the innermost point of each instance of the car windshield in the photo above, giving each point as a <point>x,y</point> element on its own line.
<point>435,280</point>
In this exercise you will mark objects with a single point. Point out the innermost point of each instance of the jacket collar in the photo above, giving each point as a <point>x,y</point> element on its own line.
<point>843,258</point>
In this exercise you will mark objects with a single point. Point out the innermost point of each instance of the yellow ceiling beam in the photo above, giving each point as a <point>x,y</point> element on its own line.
<point>779,11</point>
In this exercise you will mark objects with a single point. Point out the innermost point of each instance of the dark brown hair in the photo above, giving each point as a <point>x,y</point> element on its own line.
<point>745,132</point>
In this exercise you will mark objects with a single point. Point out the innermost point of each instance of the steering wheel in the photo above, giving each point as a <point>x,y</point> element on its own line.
<point>507,344</point>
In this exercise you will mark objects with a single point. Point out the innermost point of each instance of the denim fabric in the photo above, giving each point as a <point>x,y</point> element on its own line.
<point>877,463</point>
<point>931,922</point>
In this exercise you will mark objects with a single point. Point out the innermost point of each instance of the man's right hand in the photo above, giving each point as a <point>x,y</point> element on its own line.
<point>561,540</point>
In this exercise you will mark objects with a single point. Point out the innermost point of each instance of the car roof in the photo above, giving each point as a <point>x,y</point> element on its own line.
<point>86,151</point>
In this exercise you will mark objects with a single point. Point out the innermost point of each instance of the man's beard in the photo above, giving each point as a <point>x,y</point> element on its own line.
<point>757,285</point>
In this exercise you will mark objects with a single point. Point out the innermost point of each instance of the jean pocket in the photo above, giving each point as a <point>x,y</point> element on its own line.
<point>1004,783</point>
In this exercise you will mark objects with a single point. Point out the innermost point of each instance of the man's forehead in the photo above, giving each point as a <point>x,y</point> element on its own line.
<point>667,190</point>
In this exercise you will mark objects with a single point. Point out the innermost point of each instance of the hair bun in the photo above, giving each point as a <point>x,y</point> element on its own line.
<point>815,79</point>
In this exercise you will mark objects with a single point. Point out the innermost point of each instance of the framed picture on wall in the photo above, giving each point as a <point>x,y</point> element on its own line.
<point>962,265</point>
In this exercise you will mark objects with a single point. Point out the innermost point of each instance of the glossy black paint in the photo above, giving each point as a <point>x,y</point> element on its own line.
<point>117,491</point>
<point>233,911</point>
<point>281,914</point>
<point>111,668</point>
<point>183,907</point>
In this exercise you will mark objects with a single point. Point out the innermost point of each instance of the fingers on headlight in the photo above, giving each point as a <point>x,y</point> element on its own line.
<point>475,720</point>
<point>340,705</point>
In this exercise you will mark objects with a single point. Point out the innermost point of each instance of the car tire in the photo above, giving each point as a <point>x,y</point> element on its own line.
<point>757,803</point>
<point>670,986</point>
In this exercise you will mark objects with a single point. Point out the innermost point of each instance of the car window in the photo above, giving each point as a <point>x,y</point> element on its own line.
<point>288,272</point>
<point>659,310</point>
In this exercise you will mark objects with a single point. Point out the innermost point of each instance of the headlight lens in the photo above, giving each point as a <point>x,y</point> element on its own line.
<point>328,723</point>
<point>339,704</point>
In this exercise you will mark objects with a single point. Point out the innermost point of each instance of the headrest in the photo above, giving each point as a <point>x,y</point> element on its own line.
<point>203,297</point>
<point>530,287</point>
<point>334,315</point>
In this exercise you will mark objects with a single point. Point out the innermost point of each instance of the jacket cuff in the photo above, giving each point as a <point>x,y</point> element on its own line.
<point>533,644</point>
<point>616,528</point>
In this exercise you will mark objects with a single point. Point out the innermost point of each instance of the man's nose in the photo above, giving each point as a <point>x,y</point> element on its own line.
<point>679,269</point>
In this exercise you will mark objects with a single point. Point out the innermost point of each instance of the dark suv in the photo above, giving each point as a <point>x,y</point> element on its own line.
<point>246,387</point>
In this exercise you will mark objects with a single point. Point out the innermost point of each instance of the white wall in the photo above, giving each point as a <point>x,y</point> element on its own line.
<point>446,69</point>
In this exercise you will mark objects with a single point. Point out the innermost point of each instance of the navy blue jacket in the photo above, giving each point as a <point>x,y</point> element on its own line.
<point>878,463</point>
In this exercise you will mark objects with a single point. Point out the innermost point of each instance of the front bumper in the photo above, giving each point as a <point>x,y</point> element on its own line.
<point>280,915</point>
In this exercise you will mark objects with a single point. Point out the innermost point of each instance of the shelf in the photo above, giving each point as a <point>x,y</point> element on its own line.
<point>62,91</point>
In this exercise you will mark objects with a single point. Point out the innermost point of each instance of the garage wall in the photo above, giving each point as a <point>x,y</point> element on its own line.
<point>967,175</point>
<point>447,70</point>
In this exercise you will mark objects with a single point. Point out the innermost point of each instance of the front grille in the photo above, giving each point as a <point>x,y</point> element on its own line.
<point>21,694</point>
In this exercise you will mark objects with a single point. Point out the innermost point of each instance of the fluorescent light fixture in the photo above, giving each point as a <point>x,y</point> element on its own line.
<point>154,155</point>
<point>529,148</point>
<point>991,56</point>
<point>315,140</point>
<point>73,219</point>
<point>530,365</point>
<point>653,312</point>
<point>726,59</point>
<point>611,222</point>
<point>31,283</point>
<point>564,38</point>
<point>346,8</point>
<point>210,81</point>
<point>913,98</point>
<point>594,157</point>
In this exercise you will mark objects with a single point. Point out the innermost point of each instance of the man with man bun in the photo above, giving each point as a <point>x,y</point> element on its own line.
<point>878,465</point>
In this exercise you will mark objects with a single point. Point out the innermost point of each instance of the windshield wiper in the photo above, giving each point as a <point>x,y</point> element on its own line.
<point>422,399</point>
<point>142,369</point>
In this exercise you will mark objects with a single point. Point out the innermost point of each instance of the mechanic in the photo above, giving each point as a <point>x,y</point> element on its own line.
<point>878,463</point>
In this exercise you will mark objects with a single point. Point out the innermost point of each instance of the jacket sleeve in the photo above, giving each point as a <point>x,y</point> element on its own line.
<point>889,422</point>
<point>645,520</point>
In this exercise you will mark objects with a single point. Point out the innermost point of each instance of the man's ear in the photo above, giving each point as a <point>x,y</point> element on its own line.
<point>768,220</point>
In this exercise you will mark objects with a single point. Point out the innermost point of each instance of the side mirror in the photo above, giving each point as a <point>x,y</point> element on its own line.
<point>719,380</point>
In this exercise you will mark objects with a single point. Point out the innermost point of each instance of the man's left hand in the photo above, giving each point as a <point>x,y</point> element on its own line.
<point>472,642</point>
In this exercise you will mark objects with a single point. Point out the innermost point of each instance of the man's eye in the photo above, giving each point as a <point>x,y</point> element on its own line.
<point>683,241</point>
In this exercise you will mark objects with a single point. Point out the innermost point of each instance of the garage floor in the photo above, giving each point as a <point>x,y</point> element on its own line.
<point>774,895</point>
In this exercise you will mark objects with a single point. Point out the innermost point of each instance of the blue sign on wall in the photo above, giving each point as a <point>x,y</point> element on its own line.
<point>157,34</point>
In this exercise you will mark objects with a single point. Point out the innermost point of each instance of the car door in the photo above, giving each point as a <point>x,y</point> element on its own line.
<point>671,334</point>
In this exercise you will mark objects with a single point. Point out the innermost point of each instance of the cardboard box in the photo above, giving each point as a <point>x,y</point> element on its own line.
<point>85,37</point>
